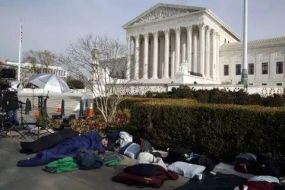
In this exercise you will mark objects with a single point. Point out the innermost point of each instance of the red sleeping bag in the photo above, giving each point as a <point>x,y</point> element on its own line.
<point>145,175</point>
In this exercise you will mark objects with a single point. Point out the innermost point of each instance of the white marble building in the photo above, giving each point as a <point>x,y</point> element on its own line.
<point>265,62</point>
<point>176,44</point>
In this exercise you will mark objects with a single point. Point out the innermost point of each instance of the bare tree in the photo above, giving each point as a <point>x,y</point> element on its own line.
<point>44,58</point>
<point>100,62</point>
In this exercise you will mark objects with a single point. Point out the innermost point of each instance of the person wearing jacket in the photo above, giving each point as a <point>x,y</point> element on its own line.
<point>69,147</point>
<point>11,104</point>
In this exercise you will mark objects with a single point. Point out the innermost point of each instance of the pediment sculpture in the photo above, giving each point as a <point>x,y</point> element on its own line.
<point>161,13</point>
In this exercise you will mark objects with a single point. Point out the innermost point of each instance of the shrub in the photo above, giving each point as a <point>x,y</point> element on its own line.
<point>224,130</point>
<point>75,84</point>
<point>217,96</point>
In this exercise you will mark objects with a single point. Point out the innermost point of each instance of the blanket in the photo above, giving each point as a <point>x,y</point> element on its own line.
<point>69,147</point>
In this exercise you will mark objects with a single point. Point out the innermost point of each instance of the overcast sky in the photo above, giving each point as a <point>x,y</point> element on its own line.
<point>53,24</point>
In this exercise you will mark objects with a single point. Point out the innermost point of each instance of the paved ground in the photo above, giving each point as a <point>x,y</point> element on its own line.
<point>33,178</point>
<point>52,102</point>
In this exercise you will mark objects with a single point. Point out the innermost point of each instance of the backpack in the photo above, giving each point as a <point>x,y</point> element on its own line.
<point>88,159</point>
<point>177,154</point>
<point>145,145</point>
<point>245,163</point>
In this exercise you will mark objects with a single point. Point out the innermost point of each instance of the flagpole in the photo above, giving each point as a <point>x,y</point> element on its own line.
<point>20,54</point>
<point>244,75</point>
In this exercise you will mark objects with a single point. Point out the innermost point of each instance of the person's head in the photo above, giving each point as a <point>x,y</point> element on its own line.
<point>104,142</point>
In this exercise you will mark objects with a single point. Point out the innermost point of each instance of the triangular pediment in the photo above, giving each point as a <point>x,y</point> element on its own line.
<point>160,12</point>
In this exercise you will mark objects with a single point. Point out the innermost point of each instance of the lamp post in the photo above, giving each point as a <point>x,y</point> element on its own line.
<point>33,87</point>
<point>244,74</point>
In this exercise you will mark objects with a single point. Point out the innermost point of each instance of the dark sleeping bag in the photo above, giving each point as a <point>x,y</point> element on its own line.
<point>267,167</point>
<point>47,141</point>
<point>177,154</point>
<point>69,147</point>
<point>145,175</point>
<point>213,182</point>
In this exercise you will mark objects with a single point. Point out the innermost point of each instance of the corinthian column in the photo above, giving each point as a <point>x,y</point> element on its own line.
<point>177,49</point>
<point>155,55</point>
<point>184,48</point>
<point>195,52</point>
<point>129,42</point>
<point>137,53</point>
<point>189,47</point>
<point>145,65</point>
<point>172,50</point>
<point>218,56</point>
<point>202,48</point>
<point>207,64</point>
<point>214,56</point>
<point>166,54</point>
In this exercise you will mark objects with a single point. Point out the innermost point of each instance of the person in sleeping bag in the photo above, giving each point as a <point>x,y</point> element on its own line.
<point>69,147</point>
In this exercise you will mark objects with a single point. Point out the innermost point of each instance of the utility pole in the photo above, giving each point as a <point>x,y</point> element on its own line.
<point>244,75</point>
<point>20,53</point>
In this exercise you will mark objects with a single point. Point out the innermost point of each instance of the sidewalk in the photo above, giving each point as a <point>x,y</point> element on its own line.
<point>33,178</point>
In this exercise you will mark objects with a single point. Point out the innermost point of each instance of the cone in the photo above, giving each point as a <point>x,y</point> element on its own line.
<point>37,114</point>
<point>58,108</point>
<point>90,111</point>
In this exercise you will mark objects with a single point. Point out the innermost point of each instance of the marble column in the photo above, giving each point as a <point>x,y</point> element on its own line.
<point>184,50</point>
<point>202,49</point>
<point>214,55</point>
<point>195,53</point>
<point>145,65</point>
<point>166,54</point>
<point>218,56</point>
<point>189,47</point>
<point>160,57</point>
<point>155,55</point>
<point>207,61</point>
<point>172,41</point>
<point>137,53</point>
<point>177,49</point>
<point>129,42</point>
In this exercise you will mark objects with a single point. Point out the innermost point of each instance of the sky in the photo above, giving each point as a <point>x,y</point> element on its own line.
<point>54,24</point>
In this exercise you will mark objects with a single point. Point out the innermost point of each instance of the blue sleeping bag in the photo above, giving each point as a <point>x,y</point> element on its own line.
<point>69,147</point>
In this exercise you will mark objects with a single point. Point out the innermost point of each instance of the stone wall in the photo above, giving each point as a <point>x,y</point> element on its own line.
<point>141,89</point>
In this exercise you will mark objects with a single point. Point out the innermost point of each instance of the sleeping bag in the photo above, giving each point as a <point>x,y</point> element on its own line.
<point>69,147</point>
<point>47,141</point>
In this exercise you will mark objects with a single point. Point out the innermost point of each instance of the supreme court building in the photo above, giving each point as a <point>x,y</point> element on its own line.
<point>177,44</point>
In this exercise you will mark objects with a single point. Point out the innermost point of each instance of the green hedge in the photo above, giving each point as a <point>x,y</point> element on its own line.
<point>217,96</point>
<point>223,130</point>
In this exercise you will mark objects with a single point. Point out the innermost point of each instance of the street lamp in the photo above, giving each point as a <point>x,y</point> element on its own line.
<point>33,87</point>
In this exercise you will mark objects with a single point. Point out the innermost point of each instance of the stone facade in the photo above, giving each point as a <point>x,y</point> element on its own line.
<point>179,44</point>
<point>174,44</point>
<point>266,62</point>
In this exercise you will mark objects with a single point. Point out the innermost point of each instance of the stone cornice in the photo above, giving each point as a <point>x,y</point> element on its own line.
<point>222,24</point>
<point>196,11</point>
<point>192,8</point>
<point>173,18</point>
<point>271,42</point>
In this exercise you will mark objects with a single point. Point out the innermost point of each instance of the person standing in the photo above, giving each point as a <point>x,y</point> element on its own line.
<point>12,104</point>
